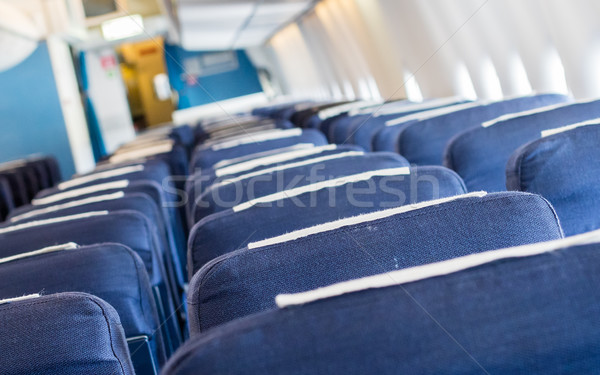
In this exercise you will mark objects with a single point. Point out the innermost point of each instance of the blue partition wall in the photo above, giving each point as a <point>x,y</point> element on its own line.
<point>233,80</point>
<point>31,119</point>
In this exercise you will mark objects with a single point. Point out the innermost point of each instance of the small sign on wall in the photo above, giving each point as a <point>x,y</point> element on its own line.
<point>208,64</point>
<point>109,65</point>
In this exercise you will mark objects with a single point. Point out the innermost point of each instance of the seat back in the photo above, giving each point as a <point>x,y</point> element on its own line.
<point>424,141</point>
<point>67,333</point>
<point>564,168</point>
<point>170,152</point>
<point>27,173</point>
<point>108,271</point>
<point>127,227</point>
<point>6,200</point>
<point>205,156</point>
<point>150,170</point>
<point>198,182</point>
<point>18,190</point>
<point>119,201</point>
<point>324,120</point>
<point>166,203</point>
<point>314,204</point>
<point>386,138</point>
<point>246,281</point>
<point>530,309</point>
<point>233,191</point>
<point>219,133</point>
<point>52,169</point>
<point>235,126</point>
<point>363,132</point>
<point>479,155</point>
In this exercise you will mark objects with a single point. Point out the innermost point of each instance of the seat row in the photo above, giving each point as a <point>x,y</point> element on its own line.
<point>21,180</point>
<point>543,144</point>
<point>306,256</point>
<point>294,271</point>
<point>110,246</point>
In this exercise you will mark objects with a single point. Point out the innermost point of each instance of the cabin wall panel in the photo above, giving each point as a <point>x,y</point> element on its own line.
<point>31,119</point>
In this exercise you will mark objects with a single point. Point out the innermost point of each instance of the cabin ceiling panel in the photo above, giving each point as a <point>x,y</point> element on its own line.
<point>227,24</point>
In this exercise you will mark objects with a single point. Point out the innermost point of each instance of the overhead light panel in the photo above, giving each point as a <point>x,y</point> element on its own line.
<point>282,9</point>
<point>123,27</point>
<point>200,13</point>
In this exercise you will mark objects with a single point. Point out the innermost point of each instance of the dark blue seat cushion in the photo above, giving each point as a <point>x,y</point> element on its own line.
<point>233,192</point>
<point>246,281</point>
<point>212,236</point>
<point>108,271</point>
<point>531,315</point>
<point>198,182</point>
<point>206,157</point>
<point>480,155</point>
<point>67,333</point>
<point>156,171</point>
<point>364,131</point>
<point>152,189</point>
<point>7,203</point>
<point>423,142</point>
<point>564,168</point>
<point>129,228</point>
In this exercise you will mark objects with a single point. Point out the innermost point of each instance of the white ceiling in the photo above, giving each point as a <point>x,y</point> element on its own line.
<point>227,24</point>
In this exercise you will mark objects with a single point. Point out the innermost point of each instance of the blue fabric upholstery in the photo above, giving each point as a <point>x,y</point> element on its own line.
<point>212,236</point>
<point>287,113</point>
<point>130,228</point>
<point>423,142</point>
<point>235,130</point>
<point>236,126</point>
<point>108,271</point>
<point>151,188</point>
<point>32,176</point>
<point>18,190</point>
<point>326,120</point>
<point>45,168</point>
<point>386,136</point>
<point>154,170</point>
<point>480,155</point>
<point>218,198</point>
<point>564,168</point>
<point>177,157</point>
<point>246,281</point>
<point>198,182</point>
<point>53,169</point>
<point>183,134</point>
<point>138,202</point>
<point>41,172</point>
<point>62,334</point>
<point>363,129</point>
<point>337,127</point>
<point>531,315</point>
<point>302,116</point>
<point>250,157</point>
<point>279,110</point>
<point>7,203</point>
<point>207,156</point>
<point>339,130</point>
